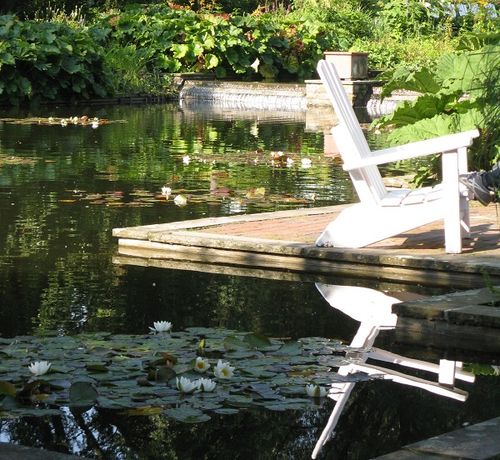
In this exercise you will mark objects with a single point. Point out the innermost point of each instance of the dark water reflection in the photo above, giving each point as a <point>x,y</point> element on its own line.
<point>62,191</point>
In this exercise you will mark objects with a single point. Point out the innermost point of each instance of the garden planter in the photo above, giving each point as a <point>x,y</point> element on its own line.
<point>349,65</point>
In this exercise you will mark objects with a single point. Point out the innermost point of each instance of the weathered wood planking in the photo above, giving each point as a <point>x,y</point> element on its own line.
<point>416,257</point>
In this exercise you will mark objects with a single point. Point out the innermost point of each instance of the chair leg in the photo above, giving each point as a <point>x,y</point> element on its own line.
<point>451,189</point>
<point>465,218</point>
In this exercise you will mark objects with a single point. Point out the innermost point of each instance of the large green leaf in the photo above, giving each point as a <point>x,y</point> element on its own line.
<point>421,81</point>
<point>465,72</point>
<point>438,125</point>
<point>426,106</point>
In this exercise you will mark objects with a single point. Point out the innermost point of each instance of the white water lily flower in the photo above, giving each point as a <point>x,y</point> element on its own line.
<point>180,200</point>
<point>161,326</point>
<point>289,162</point>
<point>39,368</point>
<point>186,159</point>
<point>223,370</point>
<point>206,385</point>
<point>201,365</point>
<point>166,191</point>
<point>185,385</point>
<point>306,162</point>
<point>315,391</point>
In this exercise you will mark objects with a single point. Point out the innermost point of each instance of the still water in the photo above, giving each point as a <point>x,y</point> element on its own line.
<point>62,191</point>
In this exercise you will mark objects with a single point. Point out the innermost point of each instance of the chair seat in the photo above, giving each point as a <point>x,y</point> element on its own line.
<point>406,197</point>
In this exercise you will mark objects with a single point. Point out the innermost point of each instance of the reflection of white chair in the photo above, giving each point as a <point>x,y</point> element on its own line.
<point>373,310</point>
<point>382,213</point>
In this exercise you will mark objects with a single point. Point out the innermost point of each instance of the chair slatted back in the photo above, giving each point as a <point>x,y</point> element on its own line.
<point>349,137</point>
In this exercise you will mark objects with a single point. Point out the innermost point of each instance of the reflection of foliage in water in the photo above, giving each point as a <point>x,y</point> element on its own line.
<point>58,209</point>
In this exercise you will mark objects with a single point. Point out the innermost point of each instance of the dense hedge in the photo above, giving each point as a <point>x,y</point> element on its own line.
<point>40,60</point>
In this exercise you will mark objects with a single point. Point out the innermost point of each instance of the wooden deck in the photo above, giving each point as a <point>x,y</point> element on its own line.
<point>281,244</point>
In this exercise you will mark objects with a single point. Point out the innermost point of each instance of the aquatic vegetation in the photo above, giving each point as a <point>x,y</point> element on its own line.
<point>206,385</point>
<point>184,385</point>
<point>316,391</point>
<point>161,326</point>
<point>180,200</point>
<point>39,368</point>
<point>223,370</point>
<point>82,120</point>
<point>130,372</point>
<point>201,365</point>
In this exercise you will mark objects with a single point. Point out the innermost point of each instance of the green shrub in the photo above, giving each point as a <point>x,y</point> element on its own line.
<point>130,75</point>
<point>179,40</point>
<point>459,93</point>
<point>388,53</point>
<point>49,61</point>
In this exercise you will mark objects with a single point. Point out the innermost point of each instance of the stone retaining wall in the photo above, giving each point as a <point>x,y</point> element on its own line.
<point>365,95</point>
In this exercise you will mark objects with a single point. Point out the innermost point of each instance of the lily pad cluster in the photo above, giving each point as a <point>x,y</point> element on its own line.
<point>83,120</point>
<point>181,197</point>
<point>140,374</point>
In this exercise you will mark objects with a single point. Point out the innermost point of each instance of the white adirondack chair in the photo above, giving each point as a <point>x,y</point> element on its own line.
<point>373,309</point>
<point>382,213</point>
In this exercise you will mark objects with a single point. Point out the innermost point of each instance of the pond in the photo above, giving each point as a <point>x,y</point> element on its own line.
<point>62,191</point>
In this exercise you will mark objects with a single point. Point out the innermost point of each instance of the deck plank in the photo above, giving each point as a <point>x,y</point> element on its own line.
<point>285,240</point>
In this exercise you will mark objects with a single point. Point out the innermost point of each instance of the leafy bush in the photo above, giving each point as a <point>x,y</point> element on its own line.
<point>174,40</point>
<point>459,93</point>
<point>49,61</point>
<point>130,74</point>
<point>388,53</point>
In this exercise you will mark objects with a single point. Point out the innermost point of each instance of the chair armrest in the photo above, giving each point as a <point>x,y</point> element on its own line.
<point>442,144</point>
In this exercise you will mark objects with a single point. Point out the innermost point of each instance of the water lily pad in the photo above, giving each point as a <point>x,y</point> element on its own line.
<point>239,401</point>
<point>7,388</point>
<point>288,404</point>
<point>187,415</point>
<point>235,343</point>
<point>257,341</point>
<point>97,367</point>
<point>9,403</point>
<point>290,349</point>
<point>147,410</point>
<point>226,411</point>
<point>82,394</point>
<point>161,374</point>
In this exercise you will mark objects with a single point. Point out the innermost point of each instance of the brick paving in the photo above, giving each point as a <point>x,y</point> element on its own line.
<point>485,226</point>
